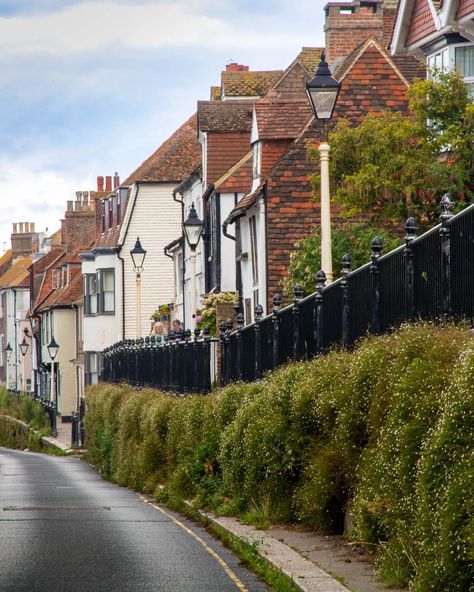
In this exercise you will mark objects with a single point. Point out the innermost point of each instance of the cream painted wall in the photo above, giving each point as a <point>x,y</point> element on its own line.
<point>156,219</point>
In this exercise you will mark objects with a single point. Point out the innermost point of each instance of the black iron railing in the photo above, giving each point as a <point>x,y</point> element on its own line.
<point>177,365</point>
<point>431,277</point>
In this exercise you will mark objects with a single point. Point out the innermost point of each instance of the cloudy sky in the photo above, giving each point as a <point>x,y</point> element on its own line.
<point>90,87</point>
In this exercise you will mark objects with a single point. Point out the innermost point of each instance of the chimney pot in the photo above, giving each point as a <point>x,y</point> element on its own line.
<point>70,206</point>
<point>32,226</point>
<point>234,67</point>
<point>15,228</point>
<point>100,183</point>
<point>116,180</point>
<point>21,227</point>
<point>108,183</point>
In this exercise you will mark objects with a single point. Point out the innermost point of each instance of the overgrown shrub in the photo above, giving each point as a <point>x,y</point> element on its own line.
<point>23,407</point>
<point>382,435</point>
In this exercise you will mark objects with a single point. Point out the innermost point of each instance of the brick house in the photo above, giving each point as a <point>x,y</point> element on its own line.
<point>279,211</point>
<point>57,307</point>
<point>439,33</point>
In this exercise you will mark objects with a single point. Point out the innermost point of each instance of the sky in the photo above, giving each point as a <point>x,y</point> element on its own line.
<point>90,87</point>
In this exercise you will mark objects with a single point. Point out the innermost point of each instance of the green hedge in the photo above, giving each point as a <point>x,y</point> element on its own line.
<point>379,441</point>
<point>23,407</point>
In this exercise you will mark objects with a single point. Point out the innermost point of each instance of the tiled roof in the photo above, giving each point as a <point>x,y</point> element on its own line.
<point>5,261</point>
<point>409,67</point>
<point>238,178</point>
<point>248,84</point>
<point>47,284</point>
<point>17,275</point>
<point>173,160</point>
<point>68,295</point>
<point>215,94</point>
<point>278,119</point>
<point>309,57</point>
<point>225,116</point>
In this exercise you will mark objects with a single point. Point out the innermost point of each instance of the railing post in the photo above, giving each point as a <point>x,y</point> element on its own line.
<point>445,239</point>
<point>256,327</point>
<point>408,253</point>
<point>276,330</point>
<point>318,312</point>
<point>375,285</point>
<point>222,348</point>
<point>298,295</point>
<point>185,382</point>
<point>346,269</point>
<point>206,368</point>
<point>238,337</point>
<point>229,325</point>
<point>196,378</point>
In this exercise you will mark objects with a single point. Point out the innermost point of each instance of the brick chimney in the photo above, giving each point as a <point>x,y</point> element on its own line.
<point>116,180</point>
<point>22,239</point>
<point>350,23</point>
<point>100,183</point>
<point>78,226</point>
<point>234,67</point>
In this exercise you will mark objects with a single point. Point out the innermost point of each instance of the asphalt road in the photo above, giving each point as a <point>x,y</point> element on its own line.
<point>64,529</point>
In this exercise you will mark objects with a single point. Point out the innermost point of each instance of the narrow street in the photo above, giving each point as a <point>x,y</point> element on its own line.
<point>64,529</point>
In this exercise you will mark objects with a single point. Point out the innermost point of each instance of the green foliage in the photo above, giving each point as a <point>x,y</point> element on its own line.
<point>354,238</point>
<point>393,166</point>
<point>23,407</point>
<point>206,316</point>
<point>383,434</point>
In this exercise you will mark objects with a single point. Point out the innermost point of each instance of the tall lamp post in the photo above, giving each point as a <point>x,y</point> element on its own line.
<point>193,227</point>
<point>24,346</point>
<point>322,91</point>
<point>8,353</point>
<point>138,254</point>
<point>53,349</point>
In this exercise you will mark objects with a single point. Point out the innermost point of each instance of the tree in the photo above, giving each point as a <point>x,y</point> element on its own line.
<point>393,166</point>
<point>354,238</point>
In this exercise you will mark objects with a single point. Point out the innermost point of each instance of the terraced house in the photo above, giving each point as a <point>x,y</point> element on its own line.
<point>439,32</point>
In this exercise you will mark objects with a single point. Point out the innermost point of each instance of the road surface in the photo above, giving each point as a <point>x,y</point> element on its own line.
<point>64,529</point>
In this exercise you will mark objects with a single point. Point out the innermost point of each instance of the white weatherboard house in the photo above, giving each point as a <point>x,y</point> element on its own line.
<point>142,206</point>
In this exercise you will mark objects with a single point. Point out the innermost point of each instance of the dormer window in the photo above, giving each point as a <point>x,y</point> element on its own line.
<point>257,159</point>
<point>111,211</point>
<point>102,217</point>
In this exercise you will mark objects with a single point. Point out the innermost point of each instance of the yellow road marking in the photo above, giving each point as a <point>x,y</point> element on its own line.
<point>211,552</point>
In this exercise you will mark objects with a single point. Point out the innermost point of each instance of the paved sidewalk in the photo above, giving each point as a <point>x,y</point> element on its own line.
<point>64,433</point>
<point>316,563</point>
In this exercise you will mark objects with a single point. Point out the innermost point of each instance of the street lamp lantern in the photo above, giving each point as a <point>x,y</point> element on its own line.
<point>53,348</point>
<point>8,351</point>
<point>24,345</point>
<point>322,91</point>
<point>138,254</point>
<point>193,227</point>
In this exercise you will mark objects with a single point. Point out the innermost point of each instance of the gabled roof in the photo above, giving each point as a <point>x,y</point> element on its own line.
<point>66,296</point>
<point>309,57</point>
<point>238,178</point>
<point>46,287</point>
<point>248,84</point>
<point>407,67</point>
<point>281,119</point>
<point>225,116</point>
<point>5,261</point>
<point>17,276</point>
<point>173,160</point>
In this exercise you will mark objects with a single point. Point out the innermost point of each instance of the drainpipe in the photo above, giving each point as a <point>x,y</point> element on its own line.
<point>118,250</point>
<point>16,338</point>
<point>238,275</point>
<point>183,271</point>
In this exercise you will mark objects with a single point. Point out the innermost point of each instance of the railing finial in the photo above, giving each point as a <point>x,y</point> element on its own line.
<point>411,228</point>
<point>276,303</point>
<point>320,280</point>
<point>298,292</point>
<point>240,321</point>
<point>447,204</point>
<point>258,312</point>
<point>346,264</point>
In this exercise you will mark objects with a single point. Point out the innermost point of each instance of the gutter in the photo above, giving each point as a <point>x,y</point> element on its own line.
<point>118,251</point>
<point>183,271</point>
